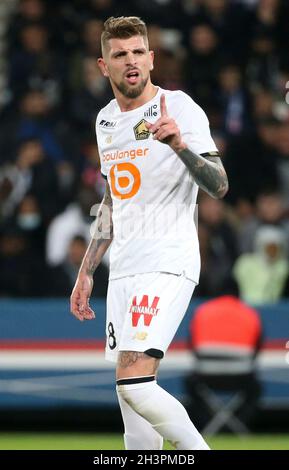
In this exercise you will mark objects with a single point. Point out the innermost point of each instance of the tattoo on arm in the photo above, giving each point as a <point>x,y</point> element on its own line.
<point>208,172</point>
<point>103,235</point>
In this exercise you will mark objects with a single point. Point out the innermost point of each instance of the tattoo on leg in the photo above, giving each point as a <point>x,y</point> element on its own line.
<point>129,358</point>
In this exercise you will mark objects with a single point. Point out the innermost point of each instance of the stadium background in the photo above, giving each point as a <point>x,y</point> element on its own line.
<point>232,58</point>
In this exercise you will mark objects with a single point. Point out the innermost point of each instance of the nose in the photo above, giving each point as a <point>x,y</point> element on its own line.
<point>130,58</point>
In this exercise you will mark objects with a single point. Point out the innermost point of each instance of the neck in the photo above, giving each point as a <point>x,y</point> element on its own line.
<point>127,104</point>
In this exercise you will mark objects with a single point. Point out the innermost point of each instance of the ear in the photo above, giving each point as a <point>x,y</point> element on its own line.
<point>152,56</point>
<point>103,67</point>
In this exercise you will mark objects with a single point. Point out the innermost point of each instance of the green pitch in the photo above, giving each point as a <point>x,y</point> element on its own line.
<point>71,441</point>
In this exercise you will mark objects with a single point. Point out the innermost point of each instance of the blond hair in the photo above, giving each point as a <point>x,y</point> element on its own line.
<point>123,27</point>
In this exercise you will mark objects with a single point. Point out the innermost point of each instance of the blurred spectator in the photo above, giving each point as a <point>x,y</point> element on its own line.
<point>218,245</point>
<point>34,120</point>
<point>67,182</point>
<point>90,46</point>
<point>270,210</point>
<point>75,220</point>
<point>203,63</point>
<point>27,12</point>
<point>251,155</point>
<point>31,172</point>
<point>234,101</point>
<point>263,61</point>
<point>268,131</point>
<point>36,63</point>
<point>263,103</point>
<point>281,108</point>
<point>103,9</point>
<point>267,17</point>
<point>263,275</point>
<point>283,162</point>
<point>22,271</point>
<point>90,98</point>
<point>266,14</point>
<point>169,70</point>
<point>29,220</point>
<point>230,21</point>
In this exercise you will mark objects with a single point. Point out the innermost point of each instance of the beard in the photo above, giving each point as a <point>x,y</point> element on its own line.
<point>131,92</point>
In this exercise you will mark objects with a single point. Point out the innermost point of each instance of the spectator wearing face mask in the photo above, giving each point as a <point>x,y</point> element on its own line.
<point>262,276</point>
<point>29,220</point>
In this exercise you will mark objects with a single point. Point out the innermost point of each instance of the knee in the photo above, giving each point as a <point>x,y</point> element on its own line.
<point>135,391</point>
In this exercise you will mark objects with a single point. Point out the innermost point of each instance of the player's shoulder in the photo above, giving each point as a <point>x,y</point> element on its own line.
<point>107,111</point>
<point>177,96</point>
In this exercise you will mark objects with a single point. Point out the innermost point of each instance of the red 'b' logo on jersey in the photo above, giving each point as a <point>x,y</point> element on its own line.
<point>143,308</point>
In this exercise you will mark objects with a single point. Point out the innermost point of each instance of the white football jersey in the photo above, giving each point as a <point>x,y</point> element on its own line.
<point>153,194</point>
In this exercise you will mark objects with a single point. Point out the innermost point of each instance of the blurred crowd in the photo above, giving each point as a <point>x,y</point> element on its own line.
<point>231,56</point>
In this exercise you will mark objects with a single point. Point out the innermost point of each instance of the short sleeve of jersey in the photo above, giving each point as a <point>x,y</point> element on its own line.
<point>194,127</point>
<point>98,139</point>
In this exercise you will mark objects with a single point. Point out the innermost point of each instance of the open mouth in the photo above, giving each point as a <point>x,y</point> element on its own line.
<point>132,76</point>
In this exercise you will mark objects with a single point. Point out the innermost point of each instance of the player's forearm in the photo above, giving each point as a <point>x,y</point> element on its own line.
<point>94,254</point>
<point>208,173</point>
<point>101,239</point>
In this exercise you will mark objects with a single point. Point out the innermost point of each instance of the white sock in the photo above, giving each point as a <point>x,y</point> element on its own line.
<point>139,433</point>
<point>166,414</point>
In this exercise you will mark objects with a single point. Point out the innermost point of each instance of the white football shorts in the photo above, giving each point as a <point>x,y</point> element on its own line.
<point>144,312</point>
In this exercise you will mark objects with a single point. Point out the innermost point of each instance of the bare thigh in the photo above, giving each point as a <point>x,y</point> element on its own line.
<point>135,364</point>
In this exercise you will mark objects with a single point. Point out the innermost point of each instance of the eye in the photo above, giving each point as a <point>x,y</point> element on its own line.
<point>119,54</point>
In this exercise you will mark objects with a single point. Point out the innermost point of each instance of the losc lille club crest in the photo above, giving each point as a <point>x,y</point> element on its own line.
<point>141,131</point>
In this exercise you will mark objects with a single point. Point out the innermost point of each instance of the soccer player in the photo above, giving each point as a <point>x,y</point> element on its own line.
<point>156,150</point>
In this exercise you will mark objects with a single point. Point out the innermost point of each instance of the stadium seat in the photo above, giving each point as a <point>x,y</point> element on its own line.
<point>223,387</point>
<point>224,402</point>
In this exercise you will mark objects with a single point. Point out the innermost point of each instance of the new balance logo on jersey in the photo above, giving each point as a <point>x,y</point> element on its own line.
<point>152,111</point>
<point>143,308</point>
<point>141,131</point>
<point>109,124</point>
